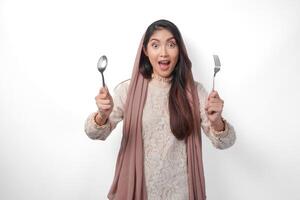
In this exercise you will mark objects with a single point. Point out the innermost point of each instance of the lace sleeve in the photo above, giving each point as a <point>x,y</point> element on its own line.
<point>96,132</point>
<point>220,140</point>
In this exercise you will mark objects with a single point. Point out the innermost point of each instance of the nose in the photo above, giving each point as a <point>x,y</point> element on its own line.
<point>163,51</point>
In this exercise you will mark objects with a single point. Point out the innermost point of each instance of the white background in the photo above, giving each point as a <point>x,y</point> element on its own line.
<point>48,81</point>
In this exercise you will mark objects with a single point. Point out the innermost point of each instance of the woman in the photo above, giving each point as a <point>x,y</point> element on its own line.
<point>163,109</point>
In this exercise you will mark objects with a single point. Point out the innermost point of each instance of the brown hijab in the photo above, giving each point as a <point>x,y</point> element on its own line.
<point>129,180</point>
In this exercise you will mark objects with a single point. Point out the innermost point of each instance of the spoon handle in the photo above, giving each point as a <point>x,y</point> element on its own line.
<point>213,84</point>
<point>103,82</point>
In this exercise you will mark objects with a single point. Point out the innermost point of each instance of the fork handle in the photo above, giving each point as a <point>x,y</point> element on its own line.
<point>213,84</point>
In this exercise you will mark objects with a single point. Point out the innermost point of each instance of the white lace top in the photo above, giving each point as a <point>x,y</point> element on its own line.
<point>165,157</point>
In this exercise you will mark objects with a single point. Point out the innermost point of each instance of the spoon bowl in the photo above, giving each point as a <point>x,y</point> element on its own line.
<point>101,65</point>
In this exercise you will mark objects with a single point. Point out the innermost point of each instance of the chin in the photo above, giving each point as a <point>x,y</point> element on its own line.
<point>165,74</point>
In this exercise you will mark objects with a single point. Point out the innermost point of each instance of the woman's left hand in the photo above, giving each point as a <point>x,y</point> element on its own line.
<point>214,107</point>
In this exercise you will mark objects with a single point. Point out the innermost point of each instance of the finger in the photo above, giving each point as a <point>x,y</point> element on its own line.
<point>101,97</point>
<point>215,100</point>
<point>105,107</point>
<point>104,101</point>
<point>213,94</point>
<point>216,107</point>
<point>213,110</point>
<point>108,95</point>
<point>102,90</point>
<point>107,91</point>
<point>215,103</point>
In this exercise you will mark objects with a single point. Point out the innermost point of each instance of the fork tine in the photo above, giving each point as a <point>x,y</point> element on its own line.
<point>217,60</point>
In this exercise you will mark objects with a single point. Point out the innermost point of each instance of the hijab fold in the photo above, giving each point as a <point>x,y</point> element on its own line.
<point>129,181</point>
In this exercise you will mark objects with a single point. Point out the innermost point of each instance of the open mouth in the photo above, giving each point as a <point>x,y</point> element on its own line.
<point>164,64</point>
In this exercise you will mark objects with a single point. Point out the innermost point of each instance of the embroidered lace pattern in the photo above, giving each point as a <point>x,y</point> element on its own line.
<point>164,156</point>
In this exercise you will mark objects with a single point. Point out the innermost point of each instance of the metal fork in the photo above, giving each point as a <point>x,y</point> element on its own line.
<point>216,69</point>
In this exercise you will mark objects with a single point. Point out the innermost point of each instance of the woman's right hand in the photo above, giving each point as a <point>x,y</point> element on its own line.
<point>105,105</point>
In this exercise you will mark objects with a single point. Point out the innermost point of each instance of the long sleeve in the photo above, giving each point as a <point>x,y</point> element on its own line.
<point>96,132</point>
<point>220,140</point>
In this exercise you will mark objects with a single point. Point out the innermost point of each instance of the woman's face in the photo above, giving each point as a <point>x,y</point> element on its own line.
<point>162,51</point>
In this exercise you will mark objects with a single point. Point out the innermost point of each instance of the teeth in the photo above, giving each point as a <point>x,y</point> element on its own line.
<point>164,62</point>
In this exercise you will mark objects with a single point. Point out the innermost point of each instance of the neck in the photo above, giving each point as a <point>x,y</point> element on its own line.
<point>161,79</point>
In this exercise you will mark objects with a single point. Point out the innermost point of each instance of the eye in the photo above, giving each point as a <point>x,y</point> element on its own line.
<point>172,44</point>
<point>155,45</point>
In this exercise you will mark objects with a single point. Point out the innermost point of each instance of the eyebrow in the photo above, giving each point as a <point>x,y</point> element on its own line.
<point>171,38</point>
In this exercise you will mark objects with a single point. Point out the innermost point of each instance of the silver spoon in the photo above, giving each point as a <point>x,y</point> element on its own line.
<point>101,65</point>
<point>217,68</point>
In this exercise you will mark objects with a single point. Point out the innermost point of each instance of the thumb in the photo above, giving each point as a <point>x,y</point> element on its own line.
<point>107,91</point>
<point>213,94</point>
<point>103,90</point>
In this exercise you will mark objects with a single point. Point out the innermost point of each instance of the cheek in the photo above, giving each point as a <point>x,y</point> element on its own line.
<point>152,61</point>
<point>174,52</point>
<point>175,57</point>
<point>152,57</point>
